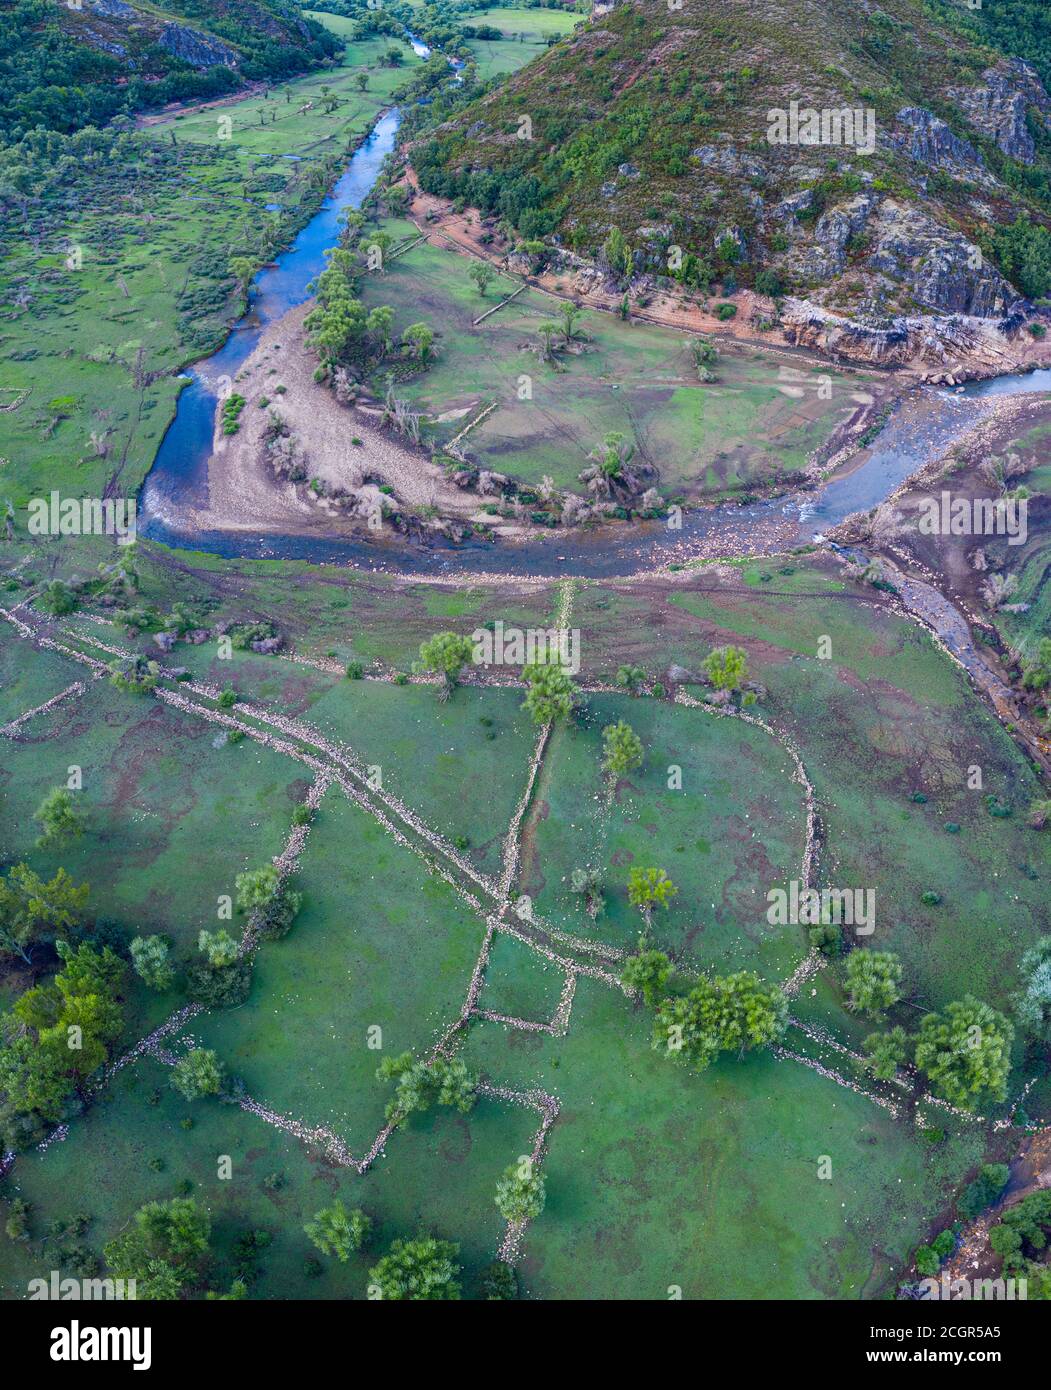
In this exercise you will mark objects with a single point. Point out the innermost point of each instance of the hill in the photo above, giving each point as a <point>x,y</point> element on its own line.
<point>63,67</point>
<point>877,167</point>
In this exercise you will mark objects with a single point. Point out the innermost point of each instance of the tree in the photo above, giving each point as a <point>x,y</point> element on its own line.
<point>446,1081</point>
<point>164,1248</point>
<point>616,453</point>
<point>550,693</point>
<point>886,1052</point>
<point>242,269</point>
<point>362,81</point>
<point>520,1193</point>
<point>569,313</point>
<point>31,908</point>
<point>273,905</point>
<point>219,948</point>
<point>873,979</point>
<point>447,653</point>
<point>546,332</point>
<point>419,339</point>
<point>60,819</point>
<point>1036,670</point>
<point>199,1073</point>
<point>57,598</point>
<point>630,677</point>
<point>338,1232</point>
<point>965,1051</point>
<point>622,749</point>
<point>482,275</point>
<point>648,888</point>
<point>588,883</point>
<point>618,255</point>
<point>647,971</point>
<point>737,1013</point>
<point>726,668</point>
<point>256,888</point>
<point>986,1190</point>
<point>704,354</point>
<point>422,1270</point>
<point>150,961</point>
<point>135,674</point>
<point>57,1034</point>
<point>500,1283</point>
<point>1032,1004</point>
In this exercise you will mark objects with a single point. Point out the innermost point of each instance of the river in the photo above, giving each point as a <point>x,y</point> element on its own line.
<point>925,424</point>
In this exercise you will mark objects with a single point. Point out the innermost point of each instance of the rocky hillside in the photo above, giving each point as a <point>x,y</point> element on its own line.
<point>872,165</point>
<point>64,66</point>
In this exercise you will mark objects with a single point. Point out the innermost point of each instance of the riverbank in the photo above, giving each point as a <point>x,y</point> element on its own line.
<point>353,467</point>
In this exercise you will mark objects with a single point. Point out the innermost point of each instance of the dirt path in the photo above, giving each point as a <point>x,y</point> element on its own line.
<point>189,108</point>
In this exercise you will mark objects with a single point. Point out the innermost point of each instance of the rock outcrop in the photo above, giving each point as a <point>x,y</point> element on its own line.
<point>196,49</point>
<point>998,107</point>
<point>929,140</point>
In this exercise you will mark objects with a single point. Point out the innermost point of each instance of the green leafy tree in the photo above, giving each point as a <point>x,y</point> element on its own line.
<point>873,981</point>
<point>219,948</point>
<point>60,819</point>
<point>422,1270</point>
<point>986,1189</point>
<point>164,1248</point>
<point>551,692</point>
<point>257,888</point>
<point>242,269</point>
<point>736,1013</point>
<point>887,1052</point>
<point>447,653</point>
<point>338,1232</point>
<point>618,255</point>
<point>419,1086</point>
<point>726,668</point>
<point>648,971</point>
<point>150,959</point>
<point>520,1193</point>
<point>649,888</point>
<point>568,314</point>
<point>418,338</point>
<point>622,749</point>
<point>1032,1004</point>
<point>630,677</point>
<point>199,1073</point>
<point>500,1283</point>
<point>966,1052</point>
<point>31,908</point>
<point>482,275</point>
<point>57,598</point>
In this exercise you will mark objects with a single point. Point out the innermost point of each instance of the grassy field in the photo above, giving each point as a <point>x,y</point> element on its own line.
<point>380,944</point>
<point>134,1148</point>
<point>734,829</point>
<point>655,1179</point>
<point>157,782</point>
<point>95,347</point>
<point>525,35</point>
<point>885,719</point>
<point>741,433</point>
<point>658,1179</point>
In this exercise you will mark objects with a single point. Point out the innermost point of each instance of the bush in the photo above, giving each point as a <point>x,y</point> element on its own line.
<point>726,312</point>
<point>984,1191</point>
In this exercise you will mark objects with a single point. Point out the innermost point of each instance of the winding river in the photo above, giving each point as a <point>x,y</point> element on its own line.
<point>926,423</point>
